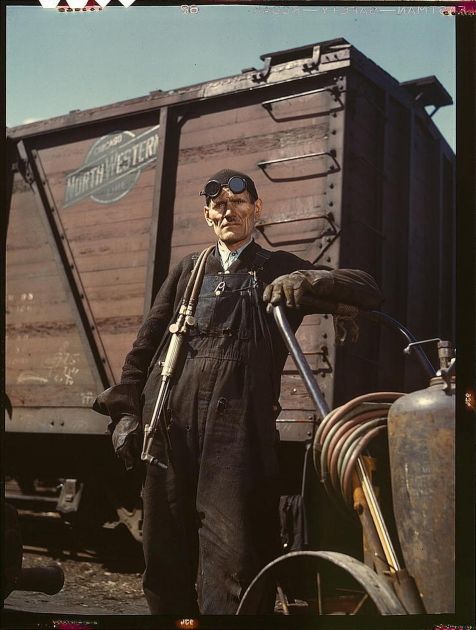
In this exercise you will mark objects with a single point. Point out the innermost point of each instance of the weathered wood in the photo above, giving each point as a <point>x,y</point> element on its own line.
<point>75,420</point>
<point>294,395</point>
<point>25,295</point>
<point>33,313</point>
<point>70,157</point>
<point>113,277</point>
<point>257,140</point>
<point>50,396</point>
<point>32,270</point>
<point>102,232</point>
<point>113,261</point>
<point>223,124</point>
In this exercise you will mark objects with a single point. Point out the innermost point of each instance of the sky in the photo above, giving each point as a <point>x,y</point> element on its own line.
<point>57,62</point>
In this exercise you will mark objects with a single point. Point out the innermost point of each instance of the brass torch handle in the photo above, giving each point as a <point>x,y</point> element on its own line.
<point>172,356</point>
<point>377,517</point>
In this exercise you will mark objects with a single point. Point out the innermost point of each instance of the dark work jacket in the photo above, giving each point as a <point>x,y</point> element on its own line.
<point>351,286</point>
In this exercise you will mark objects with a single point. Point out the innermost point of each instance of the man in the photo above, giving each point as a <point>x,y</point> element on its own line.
<point>211,517</point>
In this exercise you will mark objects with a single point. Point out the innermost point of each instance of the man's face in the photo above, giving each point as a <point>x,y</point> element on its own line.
<point>233,216</point>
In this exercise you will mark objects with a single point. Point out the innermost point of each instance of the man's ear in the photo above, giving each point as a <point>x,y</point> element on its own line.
<point>207,216</point>
<point>258,208</point>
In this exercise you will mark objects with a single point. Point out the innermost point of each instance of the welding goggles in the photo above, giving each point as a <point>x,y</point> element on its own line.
<point>235,184</point>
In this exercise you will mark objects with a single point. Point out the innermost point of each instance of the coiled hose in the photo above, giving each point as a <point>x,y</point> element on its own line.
<point>342,437</point>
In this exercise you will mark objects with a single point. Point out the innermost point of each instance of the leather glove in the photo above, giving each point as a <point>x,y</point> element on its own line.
<point>302,288</point>
<point>127,440</point>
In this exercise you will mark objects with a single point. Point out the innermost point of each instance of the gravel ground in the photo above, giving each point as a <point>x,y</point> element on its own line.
<point>90,588</point>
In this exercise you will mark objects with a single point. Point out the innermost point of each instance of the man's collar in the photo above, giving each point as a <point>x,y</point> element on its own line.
<point>225,252</point>
<point>214,264</point>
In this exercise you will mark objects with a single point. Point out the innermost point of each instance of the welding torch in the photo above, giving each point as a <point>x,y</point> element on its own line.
<point>178,331</point>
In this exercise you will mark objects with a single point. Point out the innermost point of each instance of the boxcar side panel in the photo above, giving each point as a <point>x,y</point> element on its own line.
<point>357,365</point>
<point>108,230</point>
<point>46,362</point>
<point>395,242</point>
<point>423,255</point>
<point>270,142</point>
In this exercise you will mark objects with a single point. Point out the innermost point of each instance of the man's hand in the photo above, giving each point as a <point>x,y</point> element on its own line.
<point>300,288</point>
<point>127,440</point>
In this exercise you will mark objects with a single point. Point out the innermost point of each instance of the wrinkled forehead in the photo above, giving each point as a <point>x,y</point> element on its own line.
<point>227,195</point>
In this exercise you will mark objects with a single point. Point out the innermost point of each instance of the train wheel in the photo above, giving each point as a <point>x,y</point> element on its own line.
<point>327,583</point>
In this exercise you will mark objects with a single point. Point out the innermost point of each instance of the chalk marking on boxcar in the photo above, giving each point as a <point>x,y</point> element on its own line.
<point>87,398</point>
<point>30,377</point>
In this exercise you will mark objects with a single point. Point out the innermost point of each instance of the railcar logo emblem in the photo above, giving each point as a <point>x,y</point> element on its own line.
<point>112,167</point>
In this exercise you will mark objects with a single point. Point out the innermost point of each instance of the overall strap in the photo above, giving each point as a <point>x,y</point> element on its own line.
<point>261,258</point>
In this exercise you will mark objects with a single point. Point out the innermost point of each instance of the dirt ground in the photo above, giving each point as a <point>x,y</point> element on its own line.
<point>90,588</point>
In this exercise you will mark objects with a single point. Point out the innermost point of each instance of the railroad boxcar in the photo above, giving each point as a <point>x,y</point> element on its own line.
<point>353,173</point>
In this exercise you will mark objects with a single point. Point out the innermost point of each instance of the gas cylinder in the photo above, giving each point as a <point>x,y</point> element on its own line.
<point>421,434</point>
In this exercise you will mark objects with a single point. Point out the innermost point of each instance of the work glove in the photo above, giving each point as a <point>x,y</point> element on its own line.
<point>302,288</point>
<point>323,290</point>
<point>127,440</point>
<point>340,292</point>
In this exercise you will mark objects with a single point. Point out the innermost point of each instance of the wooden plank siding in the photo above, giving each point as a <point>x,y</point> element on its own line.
<point>110,247</point>
<point>45,359</point>
<point>361,240</point>
<point>395,244</point>
<point>423,243</point>
<point>240,138</point>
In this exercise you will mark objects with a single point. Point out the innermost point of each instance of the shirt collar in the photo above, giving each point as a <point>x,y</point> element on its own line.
<point>227,256</point>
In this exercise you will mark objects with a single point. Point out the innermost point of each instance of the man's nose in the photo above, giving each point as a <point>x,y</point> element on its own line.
<point>227,210</point>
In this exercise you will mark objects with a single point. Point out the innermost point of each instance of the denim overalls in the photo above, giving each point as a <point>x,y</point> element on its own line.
<point>211,519</point>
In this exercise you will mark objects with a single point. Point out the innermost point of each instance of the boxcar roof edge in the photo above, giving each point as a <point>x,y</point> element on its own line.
<point>221,87</point>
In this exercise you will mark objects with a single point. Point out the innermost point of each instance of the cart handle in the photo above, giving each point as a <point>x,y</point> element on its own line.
<point>299,358</point>
<point>303,366</point>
